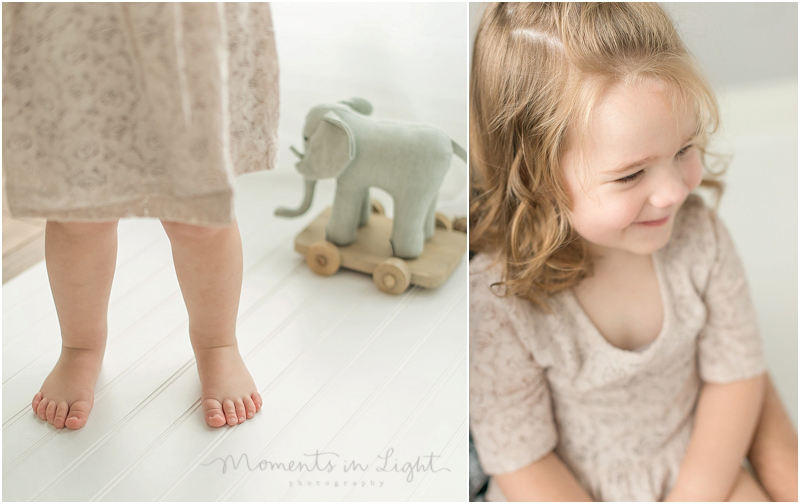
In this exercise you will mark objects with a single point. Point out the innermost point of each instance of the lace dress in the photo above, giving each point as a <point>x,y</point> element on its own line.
<point>620,420</point>
<point>135,109</point>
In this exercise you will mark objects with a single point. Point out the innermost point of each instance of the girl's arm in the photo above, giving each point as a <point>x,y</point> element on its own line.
<point>546,480</point>
<point>724,423</point>
<point>773,454</point>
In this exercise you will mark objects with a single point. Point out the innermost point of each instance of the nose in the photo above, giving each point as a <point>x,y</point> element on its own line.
<point>669,188</point>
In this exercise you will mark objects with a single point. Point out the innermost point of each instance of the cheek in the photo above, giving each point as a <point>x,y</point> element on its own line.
<point>595,217</point>
<point>694,171</point>
<point>624,208</point>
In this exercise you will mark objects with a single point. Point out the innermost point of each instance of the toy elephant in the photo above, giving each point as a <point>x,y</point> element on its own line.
<point>407,160</point>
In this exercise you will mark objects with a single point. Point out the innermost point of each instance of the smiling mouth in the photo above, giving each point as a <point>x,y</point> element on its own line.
<point>654,223</point>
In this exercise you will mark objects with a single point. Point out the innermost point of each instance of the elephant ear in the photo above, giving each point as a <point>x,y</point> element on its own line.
<point>331,147</point>
<point>359,105</point>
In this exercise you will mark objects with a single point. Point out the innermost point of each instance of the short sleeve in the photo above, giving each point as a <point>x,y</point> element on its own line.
<point>509,400</point>
<point>729,345</point>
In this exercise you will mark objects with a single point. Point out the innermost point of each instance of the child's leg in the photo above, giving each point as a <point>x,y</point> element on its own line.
<point>773,453</point>
<point>80,261</point>
<point>208,262</point>
<point>747,489</point>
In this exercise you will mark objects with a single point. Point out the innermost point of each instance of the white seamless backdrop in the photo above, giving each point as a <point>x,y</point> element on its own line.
<point>408,59</point>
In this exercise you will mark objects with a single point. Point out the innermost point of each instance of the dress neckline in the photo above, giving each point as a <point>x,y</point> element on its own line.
<point>666,307</point>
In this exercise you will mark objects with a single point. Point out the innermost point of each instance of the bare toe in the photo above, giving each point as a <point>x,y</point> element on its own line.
<point>241,414</point>
<point>257,400</point>
<point>61,414</point>
<point>249,406</point>
<point>224,378</point>
<point>42,409</point>
<point>51,411</point>
<point>67,394</point>
<point>78,413</point>
<point>36,400</point>
<point>213,413</point>
<point>230,411</point>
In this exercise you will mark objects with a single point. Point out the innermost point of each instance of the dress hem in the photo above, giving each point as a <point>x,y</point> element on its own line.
<point>206,210</point>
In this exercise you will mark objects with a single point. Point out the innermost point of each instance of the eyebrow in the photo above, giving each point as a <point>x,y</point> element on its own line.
<point>636,164</point>
<point>631,166</point>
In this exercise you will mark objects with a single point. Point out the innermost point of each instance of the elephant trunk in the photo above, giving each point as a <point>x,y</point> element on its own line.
<point>309,195</point>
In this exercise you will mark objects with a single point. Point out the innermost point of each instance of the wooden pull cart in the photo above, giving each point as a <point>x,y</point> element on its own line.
<point>371,252</point>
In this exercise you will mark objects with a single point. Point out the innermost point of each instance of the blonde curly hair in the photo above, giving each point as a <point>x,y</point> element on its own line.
<point>537,71</point>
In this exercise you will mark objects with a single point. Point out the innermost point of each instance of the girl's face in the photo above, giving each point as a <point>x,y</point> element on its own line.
<point>637,166</point>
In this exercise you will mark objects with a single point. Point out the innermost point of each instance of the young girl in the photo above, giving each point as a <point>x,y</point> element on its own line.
<point>117,110</point>
<point>614,348</point>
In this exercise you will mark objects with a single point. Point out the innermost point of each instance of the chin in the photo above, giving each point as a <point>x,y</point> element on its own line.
<point>647,250</point>
<point>651,246</point>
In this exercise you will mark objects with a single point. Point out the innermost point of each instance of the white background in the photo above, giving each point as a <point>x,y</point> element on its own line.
<point>408,59</point>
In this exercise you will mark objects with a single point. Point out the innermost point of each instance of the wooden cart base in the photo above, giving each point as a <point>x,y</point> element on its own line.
<point>371,253</point>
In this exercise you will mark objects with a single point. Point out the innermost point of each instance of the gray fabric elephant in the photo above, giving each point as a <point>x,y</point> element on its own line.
<point>407,160</point>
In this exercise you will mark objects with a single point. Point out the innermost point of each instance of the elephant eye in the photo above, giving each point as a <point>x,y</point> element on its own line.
<point>305,138</point>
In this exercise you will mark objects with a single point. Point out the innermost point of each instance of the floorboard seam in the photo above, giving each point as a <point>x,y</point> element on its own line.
<point>384,384</point>
<point>283,432</point>
<point>187,414</point>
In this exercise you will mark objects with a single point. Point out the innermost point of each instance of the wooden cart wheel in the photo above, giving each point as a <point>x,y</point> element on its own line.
<point>443,222</point>
<point>460,224</point>
<point>376,207</point>
<point>323,258</point>
<point>392,276</point>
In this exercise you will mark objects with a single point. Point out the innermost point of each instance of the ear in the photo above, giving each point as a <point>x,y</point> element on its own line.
<point>331,148</point>
<point>359,105</point>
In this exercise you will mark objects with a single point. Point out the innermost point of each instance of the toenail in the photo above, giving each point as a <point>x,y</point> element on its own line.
<point>250,415</point>
<point>241,419</point>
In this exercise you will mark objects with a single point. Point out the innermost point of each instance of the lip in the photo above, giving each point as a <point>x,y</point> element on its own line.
<point>655,223</point>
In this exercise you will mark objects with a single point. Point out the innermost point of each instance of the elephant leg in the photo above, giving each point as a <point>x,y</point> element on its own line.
<point>343,223</point>
<point>408,236</point>
<point>366,209</point>
<point>430,220</point>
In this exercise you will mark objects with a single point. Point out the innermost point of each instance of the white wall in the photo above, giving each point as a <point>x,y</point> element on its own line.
<point>739,42</point>
<point>408,59</point>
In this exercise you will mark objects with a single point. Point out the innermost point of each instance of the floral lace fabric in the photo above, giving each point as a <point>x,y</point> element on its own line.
<point>620,420</point>
<point>136,109</point>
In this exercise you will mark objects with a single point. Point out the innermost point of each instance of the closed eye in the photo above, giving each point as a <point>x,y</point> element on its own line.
<point>631,177</point>
<point>634,176</point>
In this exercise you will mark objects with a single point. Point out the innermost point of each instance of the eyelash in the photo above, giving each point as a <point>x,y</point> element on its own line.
<point>634,176</point>
<point>630,178</point>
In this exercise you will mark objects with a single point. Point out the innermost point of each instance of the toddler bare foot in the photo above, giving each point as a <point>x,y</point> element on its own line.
<point>229,393</point>
<point>67,394</point>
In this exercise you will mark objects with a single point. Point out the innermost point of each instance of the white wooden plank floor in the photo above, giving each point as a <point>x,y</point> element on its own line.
<point>344,370</point>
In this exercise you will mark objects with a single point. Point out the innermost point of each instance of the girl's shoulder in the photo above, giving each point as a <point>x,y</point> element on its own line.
<point>485,289</point>
<point>487,295</point>
<point>694,227</point>
<point>691,217</point>
<point>485,273</point>
<point>698,239</point>
<point>498,321</point>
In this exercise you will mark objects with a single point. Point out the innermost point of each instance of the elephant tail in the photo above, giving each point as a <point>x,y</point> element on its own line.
<point>459,151</point>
